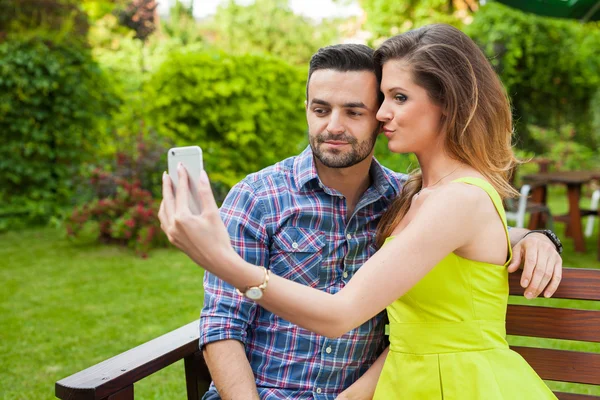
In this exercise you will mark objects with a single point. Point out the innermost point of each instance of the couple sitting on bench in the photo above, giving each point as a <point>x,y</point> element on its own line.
<point>305,257</point>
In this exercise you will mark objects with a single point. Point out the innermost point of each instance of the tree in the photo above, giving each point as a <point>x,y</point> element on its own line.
<point>549,66</point>
<point>390,17</point>
<point>140,16</point>
<point>60,17</point>
<point>268,26</point>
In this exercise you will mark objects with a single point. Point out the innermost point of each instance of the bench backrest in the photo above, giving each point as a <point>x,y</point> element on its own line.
<point>113,379</point>
<point>580,325</point>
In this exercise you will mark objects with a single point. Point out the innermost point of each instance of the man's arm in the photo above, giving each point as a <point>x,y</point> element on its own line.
<point>226,314</point>
<point>230,370</point>
<point>516,234</point>
<point>540,260</point>
<point>223,330</point>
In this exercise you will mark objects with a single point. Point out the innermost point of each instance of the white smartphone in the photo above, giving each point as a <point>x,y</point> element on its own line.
<point>191,158</point>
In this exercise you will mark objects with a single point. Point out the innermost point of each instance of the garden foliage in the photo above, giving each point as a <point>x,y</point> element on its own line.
<point>54,99</point>
<point>246,112</point>
<point>550,68</point>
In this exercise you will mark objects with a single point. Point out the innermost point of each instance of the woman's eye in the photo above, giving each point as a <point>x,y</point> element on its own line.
<point>400,97</point>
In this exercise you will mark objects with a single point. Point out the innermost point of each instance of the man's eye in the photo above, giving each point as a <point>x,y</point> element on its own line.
<point>400,98</point>
<point>354,113</point>
<point>319,111</point>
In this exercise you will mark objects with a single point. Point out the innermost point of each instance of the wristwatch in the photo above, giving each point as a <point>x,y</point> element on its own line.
<point>550,235</point>
<point>256,292</point>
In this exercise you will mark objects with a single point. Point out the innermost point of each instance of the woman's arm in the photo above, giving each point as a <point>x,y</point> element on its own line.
<point>364,387</point>
<point>447,220</point>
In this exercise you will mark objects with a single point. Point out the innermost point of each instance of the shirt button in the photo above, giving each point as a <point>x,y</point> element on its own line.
<point>295,245</point>
<point>319,390</point>
<point>328,350</point>
<point>345,274</point>
<point>348,236</point>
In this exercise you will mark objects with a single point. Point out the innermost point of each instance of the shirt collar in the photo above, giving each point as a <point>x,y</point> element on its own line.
<point>305,170</point>
<point>382,182</point>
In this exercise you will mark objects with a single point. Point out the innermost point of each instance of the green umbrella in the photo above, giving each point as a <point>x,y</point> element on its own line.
<point>584,10</point>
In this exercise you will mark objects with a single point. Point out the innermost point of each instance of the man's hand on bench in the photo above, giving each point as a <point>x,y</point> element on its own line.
<point>541,263</point>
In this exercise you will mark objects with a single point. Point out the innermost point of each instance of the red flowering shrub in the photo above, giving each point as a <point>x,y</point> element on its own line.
<point>123,209</point>
<point>128,218</point>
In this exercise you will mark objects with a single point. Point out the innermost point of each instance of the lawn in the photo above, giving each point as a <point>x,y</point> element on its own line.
<point>65,307</point>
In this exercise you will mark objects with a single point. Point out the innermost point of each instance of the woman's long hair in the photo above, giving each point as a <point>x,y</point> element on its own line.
<point>477,118</point>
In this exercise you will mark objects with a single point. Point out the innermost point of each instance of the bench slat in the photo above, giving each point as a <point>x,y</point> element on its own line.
<point>554,323</point>
<point>563,365</point>
<point>574,396</point>
<point>577,283</point>
<point>119,372</point>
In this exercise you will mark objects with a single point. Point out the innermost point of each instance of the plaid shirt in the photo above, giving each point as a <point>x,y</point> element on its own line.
<point>285,219</point>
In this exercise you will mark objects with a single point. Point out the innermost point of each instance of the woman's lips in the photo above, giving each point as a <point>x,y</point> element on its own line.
<point>388,132</point>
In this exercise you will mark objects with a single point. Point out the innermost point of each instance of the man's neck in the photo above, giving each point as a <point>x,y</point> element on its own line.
<point>351,182</point>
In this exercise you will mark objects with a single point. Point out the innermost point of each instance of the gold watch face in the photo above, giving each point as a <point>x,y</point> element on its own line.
<point>254,293</point>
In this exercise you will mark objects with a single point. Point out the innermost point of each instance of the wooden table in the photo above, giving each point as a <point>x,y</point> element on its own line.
<point>573,180</point>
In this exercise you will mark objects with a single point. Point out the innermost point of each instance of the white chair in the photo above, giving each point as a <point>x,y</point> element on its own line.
<point>589,227</point>
<point>516,212</point>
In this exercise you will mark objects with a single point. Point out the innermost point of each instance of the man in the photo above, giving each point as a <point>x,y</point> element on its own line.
<point>322,208</point>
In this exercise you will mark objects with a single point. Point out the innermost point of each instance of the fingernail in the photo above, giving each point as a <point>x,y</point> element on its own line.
<point>525,282</point>
<point>547,295</point>
<point>529,295</point>
<point>203,177</point>
<point>179,165</point>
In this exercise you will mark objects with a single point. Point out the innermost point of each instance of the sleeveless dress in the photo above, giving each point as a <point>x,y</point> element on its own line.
<point>447,334</point>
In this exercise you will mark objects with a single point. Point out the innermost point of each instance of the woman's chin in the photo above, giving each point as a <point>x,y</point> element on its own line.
<point>397,148</point>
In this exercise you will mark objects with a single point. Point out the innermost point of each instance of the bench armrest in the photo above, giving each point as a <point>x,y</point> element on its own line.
<point>119,373</point>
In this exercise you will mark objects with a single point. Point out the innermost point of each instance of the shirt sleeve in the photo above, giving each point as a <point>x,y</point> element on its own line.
<point>226,314</point>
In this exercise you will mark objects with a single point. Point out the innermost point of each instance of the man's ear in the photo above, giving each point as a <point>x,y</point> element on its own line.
<point>306,105</point>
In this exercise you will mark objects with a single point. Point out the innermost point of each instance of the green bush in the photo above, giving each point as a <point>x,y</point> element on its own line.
<point>550,67</point>
<point>246,112</point>
<point>565,153</point>
<point>53,98</point>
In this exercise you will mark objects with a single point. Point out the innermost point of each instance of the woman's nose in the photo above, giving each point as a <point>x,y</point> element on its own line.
<point>383,114</point>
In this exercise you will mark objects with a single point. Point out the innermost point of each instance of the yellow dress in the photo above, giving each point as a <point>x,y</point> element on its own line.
<point>447,335</point>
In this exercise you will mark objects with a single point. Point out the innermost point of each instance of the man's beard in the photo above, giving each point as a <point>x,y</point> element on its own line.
<point>338,158</point>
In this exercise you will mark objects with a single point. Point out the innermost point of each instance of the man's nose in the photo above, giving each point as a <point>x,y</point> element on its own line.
<point>335,125</point>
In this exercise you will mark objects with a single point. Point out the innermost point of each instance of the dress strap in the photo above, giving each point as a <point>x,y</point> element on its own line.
<point>496,199</point>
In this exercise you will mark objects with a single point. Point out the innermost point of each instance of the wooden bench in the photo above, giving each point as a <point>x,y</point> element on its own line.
<point>114,378</point>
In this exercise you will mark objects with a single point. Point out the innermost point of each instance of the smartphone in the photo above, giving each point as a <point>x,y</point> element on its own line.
<point>191,158</point>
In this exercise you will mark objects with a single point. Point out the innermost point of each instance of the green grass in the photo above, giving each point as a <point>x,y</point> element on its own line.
<point>65,307</point>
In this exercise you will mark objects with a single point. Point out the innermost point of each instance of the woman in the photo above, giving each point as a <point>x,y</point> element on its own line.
<point>447,299</point>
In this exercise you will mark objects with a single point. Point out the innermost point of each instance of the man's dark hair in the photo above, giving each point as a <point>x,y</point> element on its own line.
<point>343,58</point>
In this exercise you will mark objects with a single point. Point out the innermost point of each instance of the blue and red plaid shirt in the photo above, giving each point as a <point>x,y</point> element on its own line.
<point>285,219</point>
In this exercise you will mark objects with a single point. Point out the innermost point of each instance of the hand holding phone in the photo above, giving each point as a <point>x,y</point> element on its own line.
<point>191,158</point>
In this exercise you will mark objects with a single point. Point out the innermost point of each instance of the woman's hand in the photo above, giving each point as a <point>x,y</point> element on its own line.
<point>202,237</point>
